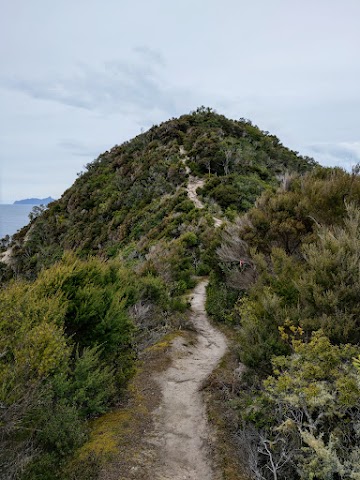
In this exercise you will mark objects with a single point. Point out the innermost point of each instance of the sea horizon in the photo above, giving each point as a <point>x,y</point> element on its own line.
<point>13,217</point>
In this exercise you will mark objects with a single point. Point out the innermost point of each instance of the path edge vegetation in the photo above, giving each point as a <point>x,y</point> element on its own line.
<point>99,276</point>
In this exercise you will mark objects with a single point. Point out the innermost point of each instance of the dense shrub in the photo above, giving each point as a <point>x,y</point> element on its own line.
<point>68,346</point>
<point>135,191</point>
<point>294,260</point>
<point>69,339</point>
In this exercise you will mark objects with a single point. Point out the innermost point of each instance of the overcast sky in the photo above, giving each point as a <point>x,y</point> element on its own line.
<point>79,76</point>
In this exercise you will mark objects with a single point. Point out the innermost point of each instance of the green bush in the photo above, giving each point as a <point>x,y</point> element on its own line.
<point>154,290</point>
<point>68,344</point>
<point>189,239</point>
<point>220,300</point>
<point>92,383</point>
<point>59,428</point>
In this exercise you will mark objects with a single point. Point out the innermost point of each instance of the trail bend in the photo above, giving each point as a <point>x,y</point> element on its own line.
<point>181,430</point>
<point>193,184</point>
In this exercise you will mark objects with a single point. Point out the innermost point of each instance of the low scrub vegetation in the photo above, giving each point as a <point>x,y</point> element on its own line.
<point>287,280</point>
<point>68,343</point>
<point>99,276</point>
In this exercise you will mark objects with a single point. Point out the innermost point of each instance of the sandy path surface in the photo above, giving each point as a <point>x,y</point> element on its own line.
<point>193,184</point>
<point>6,257</point>
<point>181,429</point>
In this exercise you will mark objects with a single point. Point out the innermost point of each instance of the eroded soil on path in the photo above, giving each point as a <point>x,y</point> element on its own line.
<point>181,432</point>
<point>163,433</point>
<point>193,184</point>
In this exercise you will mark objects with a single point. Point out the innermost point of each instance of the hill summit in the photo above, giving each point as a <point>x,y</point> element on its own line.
<point>135,194</point>
<point>103,332</point>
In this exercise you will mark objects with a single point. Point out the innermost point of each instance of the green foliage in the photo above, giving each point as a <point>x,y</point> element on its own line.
<point>235,191</point>
<point>303,419</point>
<point>31,338</point>
<point>35,350</point>
<point>329,287</point>
<point>92,382</point>
<point>189,239</point>
<point>57,430</point>
<point>67,344</point>
<point>154,290</point>
<point>110,261</point>
<point>305,273</point>
<point>95,296</point>
<point>60,428</point>
<point>135,192</point>
<point>259,335</point>
<point>320,291</point>
<point>316,390</point>
<point>297,315</point>
<point>220,300</point>
<point>288,218</point>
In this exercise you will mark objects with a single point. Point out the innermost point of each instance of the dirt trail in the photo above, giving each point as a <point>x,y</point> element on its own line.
<point>193,184</point>
<point>181,429</point>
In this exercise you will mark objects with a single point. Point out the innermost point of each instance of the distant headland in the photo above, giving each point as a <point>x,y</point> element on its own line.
<point>34,201</point>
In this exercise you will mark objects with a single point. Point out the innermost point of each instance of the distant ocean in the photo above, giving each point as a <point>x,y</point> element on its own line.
<point>13,217</point>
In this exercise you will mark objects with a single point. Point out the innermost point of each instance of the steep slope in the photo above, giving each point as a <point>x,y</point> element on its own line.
<point>134,196</point>
<point>193,185</point>
<point>83,335</point>
<point>100,277</point>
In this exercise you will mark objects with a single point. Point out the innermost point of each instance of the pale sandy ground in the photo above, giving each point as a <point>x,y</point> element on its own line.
<point>182,432</point>
<point>6,256</point>
<point>193,184</point>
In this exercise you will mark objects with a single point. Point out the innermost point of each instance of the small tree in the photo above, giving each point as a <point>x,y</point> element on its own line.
<point>36,211</point>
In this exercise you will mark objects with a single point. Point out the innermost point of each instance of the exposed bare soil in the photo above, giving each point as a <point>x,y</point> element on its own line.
<point>193,184</point>
<point>163,432</point>
<point>181,431</point>
<point>6,257</point>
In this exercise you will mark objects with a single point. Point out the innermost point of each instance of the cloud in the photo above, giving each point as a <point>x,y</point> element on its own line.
<point>113,87</point>
<point>345,154</point>
<point>151,55</point>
